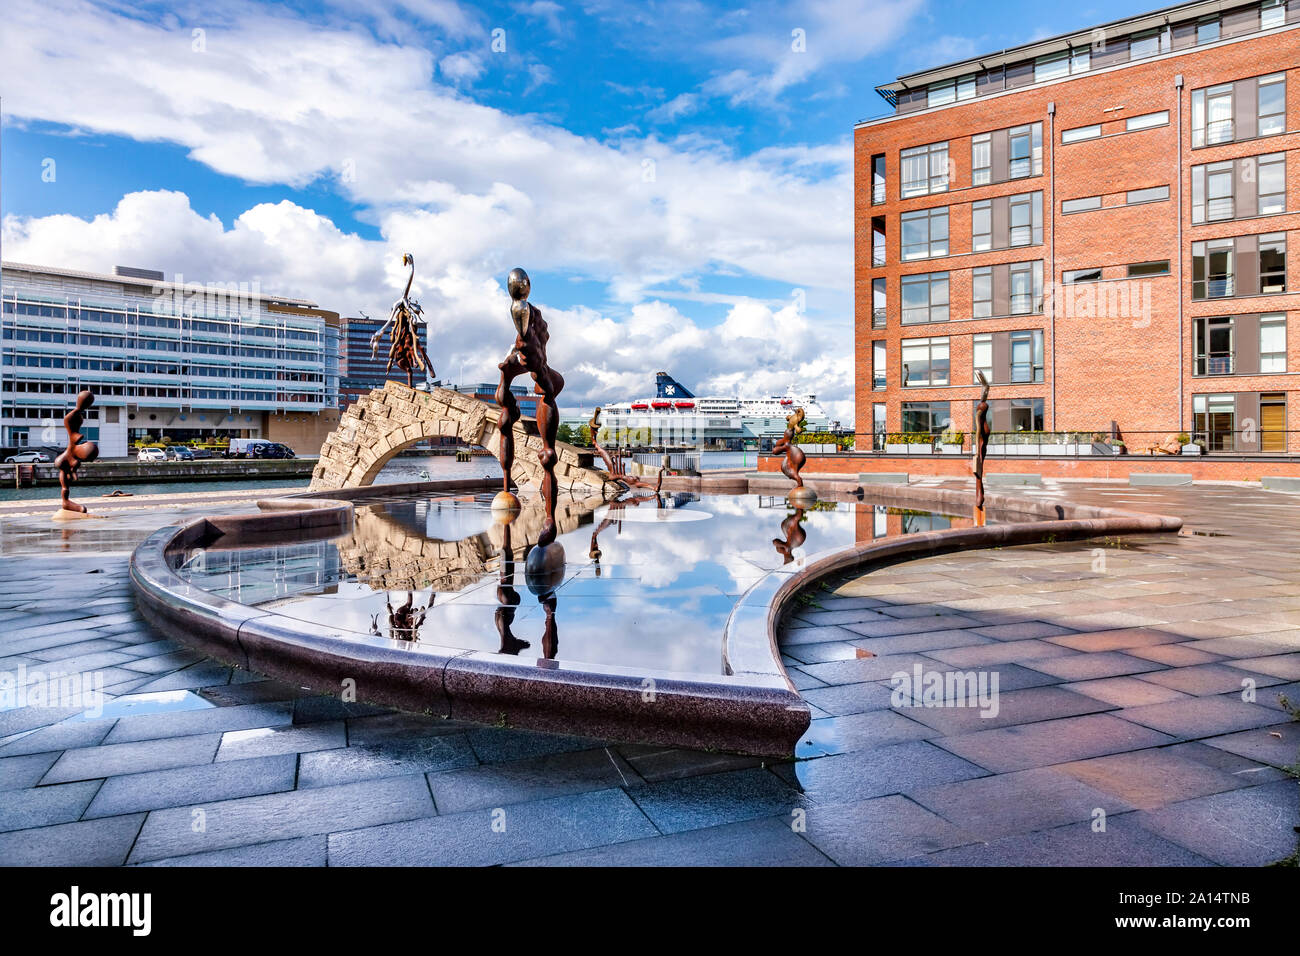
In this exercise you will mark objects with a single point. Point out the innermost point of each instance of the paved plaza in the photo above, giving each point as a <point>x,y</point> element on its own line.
<point>1138,722</point>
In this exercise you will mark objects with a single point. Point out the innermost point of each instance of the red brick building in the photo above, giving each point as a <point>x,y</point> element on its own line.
<point>1100,222</point>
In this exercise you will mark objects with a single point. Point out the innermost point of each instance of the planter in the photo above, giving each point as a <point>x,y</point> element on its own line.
<point>897,449</point>
<point>1053,449</point>
<point>909,449</point>
<point>950,449</point>
<point>1192,449</point>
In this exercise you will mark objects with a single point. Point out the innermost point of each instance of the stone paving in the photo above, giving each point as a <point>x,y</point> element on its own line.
<point>1120,668</point>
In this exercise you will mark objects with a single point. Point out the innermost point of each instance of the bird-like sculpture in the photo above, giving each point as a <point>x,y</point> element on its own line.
<point>406,326</point>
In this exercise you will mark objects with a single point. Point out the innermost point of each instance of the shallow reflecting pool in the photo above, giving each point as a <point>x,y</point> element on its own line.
<point>648,583</point>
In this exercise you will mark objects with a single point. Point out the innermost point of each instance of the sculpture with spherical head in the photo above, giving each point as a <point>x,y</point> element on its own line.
<point>529,356</point>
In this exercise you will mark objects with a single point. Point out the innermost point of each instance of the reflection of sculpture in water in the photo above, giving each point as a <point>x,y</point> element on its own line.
<point>404,621</point>
<point>612,517</point>
<point>507,597</point>
<point>406,326</point>
<point>77,453</point>
<point>982,430</point>
<point>794,457</point>
<point>792,528</point>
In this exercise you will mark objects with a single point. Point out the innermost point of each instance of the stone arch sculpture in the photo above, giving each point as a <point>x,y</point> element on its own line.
<point>379,425</point>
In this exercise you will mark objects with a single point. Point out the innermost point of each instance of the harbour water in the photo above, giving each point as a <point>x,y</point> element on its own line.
<point>397,470</point>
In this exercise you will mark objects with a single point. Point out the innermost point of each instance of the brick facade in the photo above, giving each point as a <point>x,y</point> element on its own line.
<point>1097,369</point>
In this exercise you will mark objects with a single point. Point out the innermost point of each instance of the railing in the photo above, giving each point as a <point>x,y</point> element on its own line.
<point>1253,441</point>
<point>877,194</point>
<point>878,319</point>
<point>878,256</point>
<point>1216,363</point>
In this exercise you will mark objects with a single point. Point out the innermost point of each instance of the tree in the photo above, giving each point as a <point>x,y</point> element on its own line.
<point>564,433</point>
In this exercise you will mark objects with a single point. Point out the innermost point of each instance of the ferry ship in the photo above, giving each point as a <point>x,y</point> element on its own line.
<point>677,416</point>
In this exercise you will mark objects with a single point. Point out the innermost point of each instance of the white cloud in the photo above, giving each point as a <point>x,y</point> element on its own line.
<point>461,67</point>
<point>681,105</point>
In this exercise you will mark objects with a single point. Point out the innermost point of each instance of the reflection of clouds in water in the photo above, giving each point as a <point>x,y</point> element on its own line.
<point>661,602</point>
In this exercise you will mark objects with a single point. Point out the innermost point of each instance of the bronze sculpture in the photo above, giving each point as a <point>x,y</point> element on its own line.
<point>614,466</point>
<point>545,562</point>
<point>507,597</point>
<point>982,430</point>
<point>77,453</point>
<point>405,324</point>
<point>794,458</point>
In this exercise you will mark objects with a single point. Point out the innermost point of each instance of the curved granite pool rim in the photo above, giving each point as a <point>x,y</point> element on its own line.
<point>751,708</point>
<point>751,636</point>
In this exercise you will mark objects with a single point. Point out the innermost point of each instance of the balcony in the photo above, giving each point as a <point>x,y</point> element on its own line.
<point>877,194</point>
<point>1216,363</point>
<point>878,318</point>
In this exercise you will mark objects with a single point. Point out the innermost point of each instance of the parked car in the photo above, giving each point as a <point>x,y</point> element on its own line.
<point>151,454</point>
<point>179,453</point>
<point>202,453</point>
<point>282,450</point>
<point>27,458</point>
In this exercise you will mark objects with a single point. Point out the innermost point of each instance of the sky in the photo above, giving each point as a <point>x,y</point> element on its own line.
<point>675,175</point>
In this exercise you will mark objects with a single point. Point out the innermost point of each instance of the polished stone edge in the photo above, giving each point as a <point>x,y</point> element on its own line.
<point>755,713</point>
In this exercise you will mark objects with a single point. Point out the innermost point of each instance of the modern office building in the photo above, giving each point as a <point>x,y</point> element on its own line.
<point>166,360</point>
<point>1099,222</point>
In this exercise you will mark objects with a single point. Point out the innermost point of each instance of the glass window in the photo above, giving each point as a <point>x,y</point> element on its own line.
<point>925,170</point>
<point>1213,344</point>
<point>1272,342</point>
<point>981,159</point>
<point>982,292</point>
<point>925,362</point>
<point>1212,192</point>
<point>982,357</point>
<point>1080,133</point>
<point>1213,265</point>
<point>1212,115</point>
<point>1272,263</point>
<point>932,417</point>
<point>1022,224</point>
<point>1152,194</point>
<point>1026,288</point>
<point>1025,146</point>
<point>1051,67</point>
<point>1207,31</point>
<point>1272,13</point>
<point>878,366</point>
<point>878,178</point>
<point>1138,270</point>
<point>1272,104</point>
<point>925,298</point>
<point>981,239</point>
<point>1147,120</point>
<point>1214,420</point>
<point>1272,184</point>
<point>1081,60</point>
<point>878,303</point>
<point>1148,44</point>
<point>925,233</point>
<point>1080,205</point>
<point>1072,276</point>
<point>966,87</point>
<point>1026,355</point>
<point>941,94</point>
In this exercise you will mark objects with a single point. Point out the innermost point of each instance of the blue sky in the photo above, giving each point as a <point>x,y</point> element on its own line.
<point>675,175</point>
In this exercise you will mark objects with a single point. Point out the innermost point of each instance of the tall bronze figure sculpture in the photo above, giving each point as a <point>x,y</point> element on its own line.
<point>78,452</point>
<point>614,466</point>
<point>982,429</point>
<point>546,559</point>
<point>794,458</point>
<point>406,327</point>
